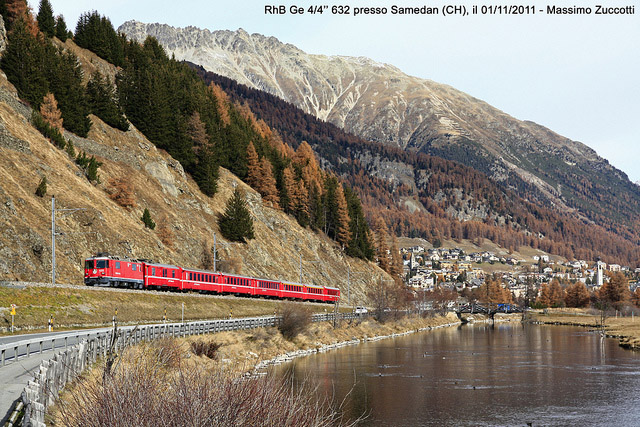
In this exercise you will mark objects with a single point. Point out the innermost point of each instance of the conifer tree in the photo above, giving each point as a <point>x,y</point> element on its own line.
<point>545,299</point>
<point>396,259</point>
<point>269,191</point>
<point>45,19</point>
<point>254,170</point>
<point>556,294</point>
<point>62,32</point>
<point>41,191</point>
<point>102,101</point>
<point>381,243</point>
<point>222,103</point>
<point>301,206</point>
<point>360,244</point>
<point>146,219</point>
<point>197,132</point>
<point>65,82</point>
<point>577,295</point>
<point>615,291</point>
<point>288,196</point>
<point>96,33</point>
<point>23,62</point>
<point>50,112</point>
<point>235,223</point>
<point>343,233</point>
<point>19,10</point>
<point>92,170</point>
<point>206,174</point>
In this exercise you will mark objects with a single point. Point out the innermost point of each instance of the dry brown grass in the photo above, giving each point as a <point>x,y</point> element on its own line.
<point>626,328</point>
<point>143,391</point>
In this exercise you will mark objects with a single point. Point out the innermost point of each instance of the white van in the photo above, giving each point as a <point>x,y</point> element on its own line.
<point>361,310</point>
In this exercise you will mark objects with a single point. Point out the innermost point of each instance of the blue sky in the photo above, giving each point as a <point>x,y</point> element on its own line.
<point>577,75</point>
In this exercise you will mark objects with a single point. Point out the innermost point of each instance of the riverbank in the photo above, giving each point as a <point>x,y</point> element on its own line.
<point>625,329</point>
<point>225,355</point>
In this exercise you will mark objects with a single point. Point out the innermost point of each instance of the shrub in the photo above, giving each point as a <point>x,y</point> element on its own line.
<point>166,352</point>
<point>294,319</point>
<point>146,218</point>
<point>142,393</point>
<point>90,166</point>
<point>48,131</point>
<point>121,192</point>
<point>205,348</point>
<point>42,187</point>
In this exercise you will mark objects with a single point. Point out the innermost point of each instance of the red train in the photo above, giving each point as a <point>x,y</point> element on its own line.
<point>105,270</point>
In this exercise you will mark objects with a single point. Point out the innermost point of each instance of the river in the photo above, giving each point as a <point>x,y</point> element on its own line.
<point>481,375</point>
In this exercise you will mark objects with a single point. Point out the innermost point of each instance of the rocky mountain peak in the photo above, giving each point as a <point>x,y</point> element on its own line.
<point>379,102</point>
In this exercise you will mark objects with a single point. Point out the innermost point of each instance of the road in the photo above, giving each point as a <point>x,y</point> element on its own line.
<point>15,374</point>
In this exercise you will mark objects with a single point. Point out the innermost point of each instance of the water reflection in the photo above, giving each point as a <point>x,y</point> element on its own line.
<point>473,375</point>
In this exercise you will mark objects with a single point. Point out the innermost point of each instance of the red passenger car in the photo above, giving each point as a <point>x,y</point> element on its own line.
<point>162,277</point>
<point>200,280</point>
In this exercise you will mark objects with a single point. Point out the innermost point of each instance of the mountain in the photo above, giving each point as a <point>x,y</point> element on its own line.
<point>185,217</point>
<point>379,102</point>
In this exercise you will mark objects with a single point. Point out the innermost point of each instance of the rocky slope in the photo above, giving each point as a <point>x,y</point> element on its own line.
<point>159,184</point>
<point>381,103</point>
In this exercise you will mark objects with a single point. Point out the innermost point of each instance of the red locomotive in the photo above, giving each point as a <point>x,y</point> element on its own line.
<point>106,270</point>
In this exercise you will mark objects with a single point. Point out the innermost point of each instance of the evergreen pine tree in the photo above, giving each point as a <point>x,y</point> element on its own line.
<point>235,223</point>
<point>41,191</point>
<point>65,82</point>
<point>102,101</point>
<point>92,170</point>
<point>62,32</point>
<point>343,233</point>
<point>96,33</point>
<point>45,19</point>
<point>23,62</point>
<point>360,245</point>
<point>206,174</point>
<point>146,219</point>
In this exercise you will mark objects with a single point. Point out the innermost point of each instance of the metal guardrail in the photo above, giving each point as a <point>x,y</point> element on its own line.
<point>66,365</point>
<point>25,348</point>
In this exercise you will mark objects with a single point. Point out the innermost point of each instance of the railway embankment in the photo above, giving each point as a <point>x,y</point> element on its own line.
<point>626,329</point>
<point>77,306</point>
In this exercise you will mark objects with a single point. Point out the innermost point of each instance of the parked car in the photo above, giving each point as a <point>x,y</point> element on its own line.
<point>361,310</point>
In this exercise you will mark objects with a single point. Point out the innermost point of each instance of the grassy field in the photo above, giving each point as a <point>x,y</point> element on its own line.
<point>73,307</point>
<point>626,329</point>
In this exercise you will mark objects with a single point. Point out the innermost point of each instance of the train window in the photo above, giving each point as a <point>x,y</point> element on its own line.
<point>173,274</point>
<point>153,271</point>
<point>101,263</point>
<point>164,272</point>
<point>117,265</point>
<point>88,264</point>
<point>134,267</point>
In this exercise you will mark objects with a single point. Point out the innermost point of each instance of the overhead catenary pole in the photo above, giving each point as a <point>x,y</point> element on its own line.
<point>53,240</point>
<point>53,235</point>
